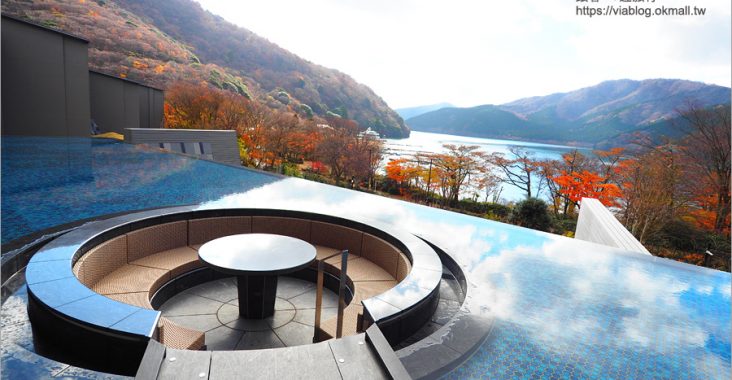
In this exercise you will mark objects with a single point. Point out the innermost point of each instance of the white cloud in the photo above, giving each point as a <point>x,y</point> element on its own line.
<point>651,309</point>
<point>561,291</point>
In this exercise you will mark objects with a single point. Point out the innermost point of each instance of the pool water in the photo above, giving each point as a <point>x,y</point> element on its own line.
<point>563,308</point>
<point>560,307</point>
<point>604,315</point>
<point>49,181</point>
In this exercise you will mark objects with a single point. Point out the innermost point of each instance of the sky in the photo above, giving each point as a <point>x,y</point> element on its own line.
<point>472,52</point>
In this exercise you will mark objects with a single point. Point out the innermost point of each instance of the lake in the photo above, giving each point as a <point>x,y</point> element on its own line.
<point>432,143</point>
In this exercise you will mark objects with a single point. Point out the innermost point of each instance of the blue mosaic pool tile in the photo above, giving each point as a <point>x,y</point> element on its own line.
<point>669,324</point>
<point>49,181</point>
<point>563,308</point>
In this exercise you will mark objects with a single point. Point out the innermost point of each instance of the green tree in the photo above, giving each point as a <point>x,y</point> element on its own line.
<point>532,213</point>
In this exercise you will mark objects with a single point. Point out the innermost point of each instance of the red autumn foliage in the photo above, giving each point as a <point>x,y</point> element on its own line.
<point>270,138</point>
<point>585,184</point>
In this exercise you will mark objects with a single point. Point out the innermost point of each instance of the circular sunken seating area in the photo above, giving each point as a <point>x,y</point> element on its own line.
<point>101,282</point>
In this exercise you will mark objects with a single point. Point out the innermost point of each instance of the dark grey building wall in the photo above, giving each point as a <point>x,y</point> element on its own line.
<point>151,108</point>
<point>45,81</point>
<point>117,104</point>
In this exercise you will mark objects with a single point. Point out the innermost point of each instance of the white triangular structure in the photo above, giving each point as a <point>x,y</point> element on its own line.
<point>597,224</point>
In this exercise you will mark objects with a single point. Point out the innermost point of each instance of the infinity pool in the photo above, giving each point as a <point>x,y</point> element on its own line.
<point>50,181</point>
<point>560,307</point>
<point>553,307</point>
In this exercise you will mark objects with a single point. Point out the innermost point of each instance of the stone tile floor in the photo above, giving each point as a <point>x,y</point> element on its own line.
<point>213,308</point>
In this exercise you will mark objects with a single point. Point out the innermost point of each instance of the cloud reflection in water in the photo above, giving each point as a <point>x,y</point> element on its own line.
<point>562,305</point>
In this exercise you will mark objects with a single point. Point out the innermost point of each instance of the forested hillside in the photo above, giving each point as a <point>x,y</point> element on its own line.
<point>162,42</point>
<point>609,114</point>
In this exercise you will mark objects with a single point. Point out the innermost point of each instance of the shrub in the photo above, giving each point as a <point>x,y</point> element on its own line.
<point>214,77</point>
<point>305,109</point>
<point>390,186</point>
<point>532,213</point>
<point>565,225</point>
<point>230,83</point>
<point>472,206</point>
<point>341,111</point>
<point>292,170</point>
<point>680,235</point>
<point>50,24</point>
<point>283,97</point>
<point>317,177</point>
<point>498,209</point>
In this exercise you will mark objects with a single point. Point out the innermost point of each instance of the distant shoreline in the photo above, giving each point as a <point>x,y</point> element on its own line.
<point>558,143</point>
<point>547,143</point>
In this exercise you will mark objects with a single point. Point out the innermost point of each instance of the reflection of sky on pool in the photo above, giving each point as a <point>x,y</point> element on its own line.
<point>563,308</point>
<point>51,181</point>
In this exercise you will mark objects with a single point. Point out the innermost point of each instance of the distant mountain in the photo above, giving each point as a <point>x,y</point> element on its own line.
<point>609,111</point>
<point>408,112</point>
<point>160,42</point>
<point>633,102</point>
<point>480,121</point>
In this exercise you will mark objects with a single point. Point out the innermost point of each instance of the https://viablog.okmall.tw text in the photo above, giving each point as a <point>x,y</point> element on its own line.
<point>636,8</point>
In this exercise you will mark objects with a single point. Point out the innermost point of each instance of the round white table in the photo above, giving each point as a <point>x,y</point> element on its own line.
<point>257,260</point>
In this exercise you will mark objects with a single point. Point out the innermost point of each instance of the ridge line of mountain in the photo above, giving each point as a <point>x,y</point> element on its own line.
<point>609,113</point>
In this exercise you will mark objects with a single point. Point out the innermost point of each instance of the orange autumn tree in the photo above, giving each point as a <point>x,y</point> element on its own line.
<point>458,168</point>
<point>399,171</point>
<point>347,152</point>
<point>198,106</point>
<point>267,138</point>
<point>610,162</point>
<point>573,161</point>
<point>705,211</point>
<point>586,184</point>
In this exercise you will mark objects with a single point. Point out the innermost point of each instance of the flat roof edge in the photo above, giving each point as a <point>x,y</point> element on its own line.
<point>124,80</point>
<point>37,25</point>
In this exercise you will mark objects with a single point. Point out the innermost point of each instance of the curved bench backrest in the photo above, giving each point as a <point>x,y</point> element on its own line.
<point>56,275</point>
<point>358,243</point>
<point>162,237</point>
<point>110,255</point>
<point>101,260</point>
<point>206,229</point>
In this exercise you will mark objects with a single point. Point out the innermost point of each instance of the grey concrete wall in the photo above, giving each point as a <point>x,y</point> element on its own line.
<point>224,146</point>
<point>45,81</point>
<point>597,224</point>
<point>151,108</point>
<point>117,104</point>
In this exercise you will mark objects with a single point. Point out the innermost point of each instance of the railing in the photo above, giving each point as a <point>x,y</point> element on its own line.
<point>341,295</point>
<point>218,145</point>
